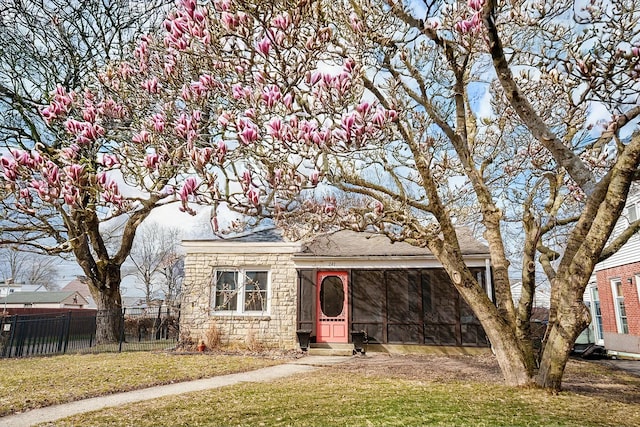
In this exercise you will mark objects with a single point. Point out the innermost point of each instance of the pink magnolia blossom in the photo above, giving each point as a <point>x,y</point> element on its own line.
<point>246,179</point>
<point>70,152</point>
<point>158,122</point>
<point>189,187</point>
<point>249,132</point>
<point>221,151</point>
<point>282,21</point>
<point>253,196</point>
<point>74,172</point>
<point>41,187</point>
<point>240,92</point>
<point>22,157</point>
<point>102,178</point>
<point>110,160</point>
<point>222,5</point>
<point>151,161</point>
<point>287,100</point>
<point>274,127</point>
<point>476,5</point>
<point>356,24</point>
<point>229,20</point>
<point>363,108</point>
<point>379,117</point>
<point>70,194</point>
<point>151,85</point>
<point>142,137</point>
<point>9,167</point>
<point>471,25</point>
<point>314,177</point>
<point>313,78</point>
<point>51,173</point>
<point>271,95</point>
<point>224,119</point>
<point>264,46</point>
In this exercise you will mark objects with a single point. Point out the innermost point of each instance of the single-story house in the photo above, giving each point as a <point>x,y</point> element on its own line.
<point>68,299</point>
<point>261,287</point>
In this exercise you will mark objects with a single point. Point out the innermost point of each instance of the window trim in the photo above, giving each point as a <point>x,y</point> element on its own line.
<point>241,292</point>
<point>636,213</point>
<point>620,322</point>
<point>595,307</point>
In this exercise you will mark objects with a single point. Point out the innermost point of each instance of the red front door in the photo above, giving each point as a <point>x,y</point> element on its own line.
<point>331,308</point>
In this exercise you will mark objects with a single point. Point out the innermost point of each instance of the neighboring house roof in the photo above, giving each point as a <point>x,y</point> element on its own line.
<point>353,243</point>
<point>79,284</point>
<point>44,298</point>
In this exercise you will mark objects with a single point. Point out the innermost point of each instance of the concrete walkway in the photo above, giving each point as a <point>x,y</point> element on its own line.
<point>53,413</point>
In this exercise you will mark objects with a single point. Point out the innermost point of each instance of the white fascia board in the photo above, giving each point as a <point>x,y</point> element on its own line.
<point>225,247</point>
<point>378,262</point>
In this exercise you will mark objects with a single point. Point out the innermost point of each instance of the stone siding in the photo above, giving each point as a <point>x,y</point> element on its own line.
<point>275,328</point>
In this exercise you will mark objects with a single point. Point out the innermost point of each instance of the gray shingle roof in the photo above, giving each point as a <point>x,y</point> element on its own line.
<point>352,243</point>
<point>39,297</point>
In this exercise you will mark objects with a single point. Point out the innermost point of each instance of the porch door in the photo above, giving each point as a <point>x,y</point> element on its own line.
<point>331,307</point>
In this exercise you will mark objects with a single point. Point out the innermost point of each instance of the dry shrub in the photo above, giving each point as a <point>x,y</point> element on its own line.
<point>213,337</point>
<point>252,343</point>
<point>186,342</point>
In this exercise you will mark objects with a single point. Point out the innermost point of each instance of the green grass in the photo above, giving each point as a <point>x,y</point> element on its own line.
<point>359,393</point>
<point>43,381</point>
<point>338,398</point>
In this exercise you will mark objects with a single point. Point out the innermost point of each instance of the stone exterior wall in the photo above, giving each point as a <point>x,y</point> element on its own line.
<point>275,328</point>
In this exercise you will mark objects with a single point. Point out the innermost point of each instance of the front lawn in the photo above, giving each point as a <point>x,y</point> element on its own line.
<point>336,397</point>
<point>43,381</point>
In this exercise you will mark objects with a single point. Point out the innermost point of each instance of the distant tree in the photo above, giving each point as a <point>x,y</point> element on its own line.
<point>172,273</point>
<point>155,259</point>
<point>28,268</point>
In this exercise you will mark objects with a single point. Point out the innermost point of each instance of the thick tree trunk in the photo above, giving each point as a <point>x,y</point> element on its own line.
<point>109,319</point>
<point>558,346</point>
<point>109,303</point>
<point>572,317</point>
<point>509,355</point>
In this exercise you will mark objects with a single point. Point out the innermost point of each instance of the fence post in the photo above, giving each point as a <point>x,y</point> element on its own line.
<point>124,309</point>
<point>67,331</point>
<point>14,324</point>
<point>158,323</point>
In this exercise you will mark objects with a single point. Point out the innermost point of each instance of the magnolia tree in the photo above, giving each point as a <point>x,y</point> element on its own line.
<point>368,115</point>
<point>501,99</point>
<point>44,43</point>
<point>226,103</point>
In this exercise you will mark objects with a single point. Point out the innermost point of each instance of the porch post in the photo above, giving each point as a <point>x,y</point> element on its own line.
<point>487,272</point>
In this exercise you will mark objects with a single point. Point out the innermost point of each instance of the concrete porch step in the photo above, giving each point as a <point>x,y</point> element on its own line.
<point>332,349</point>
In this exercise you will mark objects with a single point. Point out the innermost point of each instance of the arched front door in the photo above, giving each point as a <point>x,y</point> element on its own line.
<point>331,307</point>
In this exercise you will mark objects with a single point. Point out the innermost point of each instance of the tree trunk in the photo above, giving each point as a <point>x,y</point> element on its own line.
<point>509,355</point>
<point>109,319</point>
<point>572,318</point>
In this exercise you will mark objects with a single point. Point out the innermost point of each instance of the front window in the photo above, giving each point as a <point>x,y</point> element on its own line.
<point>240,291</point>
<point>621,312</point>
<point>597,313</point>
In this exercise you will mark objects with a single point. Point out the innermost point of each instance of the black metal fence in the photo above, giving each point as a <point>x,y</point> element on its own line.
<point>23,335</point>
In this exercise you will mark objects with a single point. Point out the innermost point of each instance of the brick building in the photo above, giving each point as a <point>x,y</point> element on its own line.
<point>615,293</point>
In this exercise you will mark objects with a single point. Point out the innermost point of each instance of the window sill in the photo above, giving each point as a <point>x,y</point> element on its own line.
<point>241,316</point>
